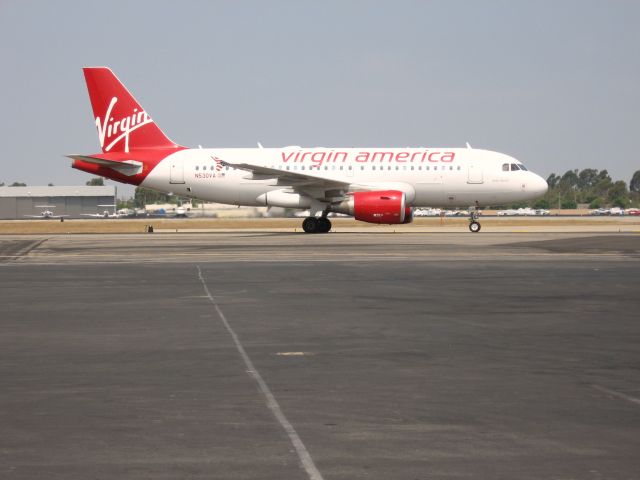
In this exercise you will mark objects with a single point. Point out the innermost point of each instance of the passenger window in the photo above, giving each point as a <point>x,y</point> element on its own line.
<point>451,167</point>
<point>411,167</point>
<point>197,168</point>
<point>361,167</point>
<point>514,167</point>
<point>435,167</point>
<point>458,167</point>
<point>505,167</point>
<point>373,167</point>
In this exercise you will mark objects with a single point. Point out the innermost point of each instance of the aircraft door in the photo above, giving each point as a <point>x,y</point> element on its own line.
<point>176,174</point>
<point>475,174</point>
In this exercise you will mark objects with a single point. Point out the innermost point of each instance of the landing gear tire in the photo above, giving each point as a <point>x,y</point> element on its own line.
<point>323,225</point>
<point>316,225</point>
<point>310,225</point>
<point>474,227</point>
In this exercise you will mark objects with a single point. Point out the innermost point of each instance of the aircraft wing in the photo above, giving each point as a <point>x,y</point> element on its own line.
<point>312,184</point>
<point>287,177</point>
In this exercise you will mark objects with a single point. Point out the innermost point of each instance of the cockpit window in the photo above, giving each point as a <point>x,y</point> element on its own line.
<point>505,167</point>
<point>514,167</point>
<point>522,167</point>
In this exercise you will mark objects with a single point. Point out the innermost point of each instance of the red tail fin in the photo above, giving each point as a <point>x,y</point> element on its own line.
<point>123,125</point>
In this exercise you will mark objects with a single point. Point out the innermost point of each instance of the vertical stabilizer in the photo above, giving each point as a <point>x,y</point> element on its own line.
<point>123,125</point>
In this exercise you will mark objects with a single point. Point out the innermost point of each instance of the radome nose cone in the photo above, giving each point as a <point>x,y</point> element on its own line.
<point>541,185</point>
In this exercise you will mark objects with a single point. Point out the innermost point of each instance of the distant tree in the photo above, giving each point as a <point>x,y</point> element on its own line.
<point>618,194</point>
<point>96,182</point>
<point>18,184</point>
<point>603,184</point>
<point>2,184</point>
<point>620,202</point>
<point>553,180</point>
<point>587,178</point>
<point>569,203</point>
<point>569,179</point>
<point>145,196</point>
<point>596,203</point>
<point>50,184</point>
<point>634,185</point>
<point>542,203</point>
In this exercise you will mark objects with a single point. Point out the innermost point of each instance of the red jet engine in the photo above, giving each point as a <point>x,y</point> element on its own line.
<point>384,206</point>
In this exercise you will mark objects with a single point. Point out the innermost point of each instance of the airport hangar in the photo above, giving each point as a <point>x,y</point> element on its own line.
<point>17,202</point>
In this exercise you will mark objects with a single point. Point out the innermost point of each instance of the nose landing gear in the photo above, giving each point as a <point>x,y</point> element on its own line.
<point>474,225</point>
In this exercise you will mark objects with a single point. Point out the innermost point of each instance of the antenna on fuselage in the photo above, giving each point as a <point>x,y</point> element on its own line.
<point>260,145</point>
<point>469,146</point>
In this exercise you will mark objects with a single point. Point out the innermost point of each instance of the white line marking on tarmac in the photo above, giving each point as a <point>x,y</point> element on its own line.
<point>623,396</point>
<point>272,403</point>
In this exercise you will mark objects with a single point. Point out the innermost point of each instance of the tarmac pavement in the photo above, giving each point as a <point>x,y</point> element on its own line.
<point>387,356</point>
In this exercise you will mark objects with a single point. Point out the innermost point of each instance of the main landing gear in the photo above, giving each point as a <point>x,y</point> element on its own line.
<point>474,225</point>
<point>316,225</point>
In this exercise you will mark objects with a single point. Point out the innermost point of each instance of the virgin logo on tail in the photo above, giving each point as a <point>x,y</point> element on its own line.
<point>120,129</point>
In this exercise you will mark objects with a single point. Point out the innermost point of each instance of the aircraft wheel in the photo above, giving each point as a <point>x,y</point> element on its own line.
<point>324,225</point>
<point>310,225</point>
<point>474,227</point>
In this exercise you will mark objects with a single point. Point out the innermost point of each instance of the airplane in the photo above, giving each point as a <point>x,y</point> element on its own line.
<point>105,214</point>
<point>375,185</point>
<point>46,214</point>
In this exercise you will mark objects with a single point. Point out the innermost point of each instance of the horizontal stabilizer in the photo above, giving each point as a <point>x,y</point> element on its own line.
<point>125,167</point>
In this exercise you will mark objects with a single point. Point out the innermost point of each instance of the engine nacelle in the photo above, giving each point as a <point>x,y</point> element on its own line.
<point>384,206</point>
<point>283,198</point>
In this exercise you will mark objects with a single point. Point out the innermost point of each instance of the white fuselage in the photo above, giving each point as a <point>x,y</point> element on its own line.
<point>428,177</point>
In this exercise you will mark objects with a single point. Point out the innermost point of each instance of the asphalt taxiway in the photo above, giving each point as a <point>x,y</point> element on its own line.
<point>356,355</point>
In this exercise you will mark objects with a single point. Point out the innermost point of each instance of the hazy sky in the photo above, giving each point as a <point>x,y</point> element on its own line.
<point>555,84</point>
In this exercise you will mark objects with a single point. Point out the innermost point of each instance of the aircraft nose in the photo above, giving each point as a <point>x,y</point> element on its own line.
<point>540,185</point>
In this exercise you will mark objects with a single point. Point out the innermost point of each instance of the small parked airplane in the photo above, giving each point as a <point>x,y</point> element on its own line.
<point>105,214</point>
<point>46,214</point>
<point>376,185</point>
